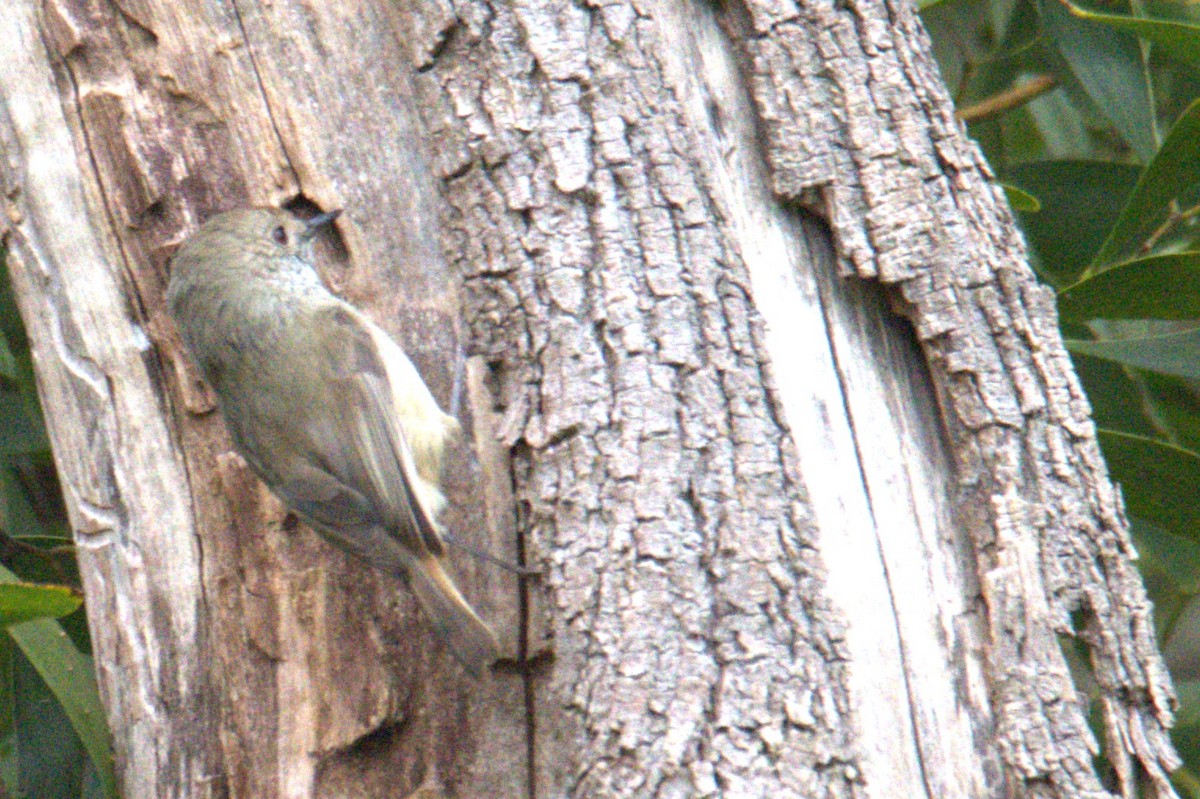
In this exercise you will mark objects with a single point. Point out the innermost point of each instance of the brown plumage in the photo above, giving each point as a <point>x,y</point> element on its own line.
<point>323,405</point>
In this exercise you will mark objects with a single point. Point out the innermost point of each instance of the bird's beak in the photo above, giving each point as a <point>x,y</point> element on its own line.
<point>314,225</point>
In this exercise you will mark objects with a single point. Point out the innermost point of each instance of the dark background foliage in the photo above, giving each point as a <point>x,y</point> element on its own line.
<point>1089,117</point>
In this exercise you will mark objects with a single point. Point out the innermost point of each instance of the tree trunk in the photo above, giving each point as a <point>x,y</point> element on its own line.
<point>790,544</point>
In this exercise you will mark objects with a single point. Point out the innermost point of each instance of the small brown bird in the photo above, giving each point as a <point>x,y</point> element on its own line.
<point>325,407</point>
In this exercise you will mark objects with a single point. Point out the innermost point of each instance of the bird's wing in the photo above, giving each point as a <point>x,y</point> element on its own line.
<point>360,468</point>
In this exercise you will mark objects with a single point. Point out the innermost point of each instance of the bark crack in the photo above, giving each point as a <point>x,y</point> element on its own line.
<point>914,701</point>
<point>266,96</point>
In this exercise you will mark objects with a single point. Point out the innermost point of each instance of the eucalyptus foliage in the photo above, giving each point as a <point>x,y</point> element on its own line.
<point>1090,117</point>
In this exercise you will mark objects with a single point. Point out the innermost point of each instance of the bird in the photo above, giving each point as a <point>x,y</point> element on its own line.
<point>323,405</point>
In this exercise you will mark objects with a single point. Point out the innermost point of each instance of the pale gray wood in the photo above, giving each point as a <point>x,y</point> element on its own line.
<point>118,460</point>
<point>858,123</point>
<point>237,655</point>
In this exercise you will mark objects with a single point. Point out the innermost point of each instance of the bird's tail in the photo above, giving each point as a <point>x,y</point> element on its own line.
<point>455,623</point>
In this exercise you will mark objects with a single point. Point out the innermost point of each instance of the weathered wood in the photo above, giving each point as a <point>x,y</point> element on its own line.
<point>949,680</point>
<point>118,463</point>
<point>792,544</point>
<point>238,656</point>
<point>911,202</point>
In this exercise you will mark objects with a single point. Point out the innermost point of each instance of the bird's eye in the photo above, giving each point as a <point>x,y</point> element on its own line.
<point>280,235</point>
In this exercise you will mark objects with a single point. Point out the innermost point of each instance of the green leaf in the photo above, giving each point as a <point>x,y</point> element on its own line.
<point>8,361</point>
<point>1110,66</point>
<point>22,602</point>
<point>1021,200</point>
<point>1189,712</point>
<point>1177,10</point>
<point>18,514</point>
<point>923,5</point>
<point>31,506</point>
<point>20,432</point>
<point>1186,737</point>
<point>10,317</point>
<point>1173,171</point>
<point>1174,403</point>
<point>1115,394</point>
<point>1158,287</point>
<point>1174,353</point>
<point>1179,40</point>
<point>1158,480</point>
<point>1083,198</point>
<point>8,743</point>
<point>69,675</point>
<point>50,758</point>
<point>1178,556</point>
<point>1060,120</point>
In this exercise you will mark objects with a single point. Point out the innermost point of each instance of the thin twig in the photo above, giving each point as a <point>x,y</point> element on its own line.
<point>1007,99</point>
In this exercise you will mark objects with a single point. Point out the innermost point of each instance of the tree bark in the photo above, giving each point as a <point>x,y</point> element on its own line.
<point>791,544</point>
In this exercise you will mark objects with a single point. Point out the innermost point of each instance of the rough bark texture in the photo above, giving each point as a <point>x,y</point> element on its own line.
<point>789,547</point>
<point>910,203</point>
<point>694,654</point>
<point>238,655</point>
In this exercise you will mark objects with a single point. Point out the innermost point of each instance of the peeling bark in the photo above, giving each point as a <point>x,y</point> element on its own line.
<point>791,543</point>
<point>237,655</point>
<point>910,202</point>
